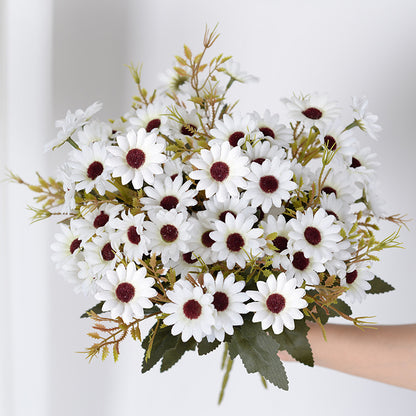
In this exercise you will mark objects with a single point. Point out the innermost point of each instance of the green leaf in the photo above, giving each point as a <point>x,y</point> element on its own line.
<point>258,352</point>
<point>379,286</point>
<point>205,347</point>
<point>153,309</point>
<point>341,306</point>
<point>296,343</point>
<point>172,356</point>
<point>162,342</point>
<point>98,308</point>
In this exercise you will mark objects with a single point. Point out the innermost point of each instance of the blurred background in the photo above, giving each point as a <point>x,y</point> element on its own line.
<point>57,55</point>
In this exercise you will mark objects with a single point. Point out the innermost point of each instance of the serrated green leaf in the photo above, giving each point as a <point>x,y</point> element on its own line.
<point>296,343</point>
<point>162,342</point>
<point>379,286</point>
<point>258,352</point>
<point>98,308</point>
<point>172,356</point>
<point>341,306</point>
<point>205,347</point>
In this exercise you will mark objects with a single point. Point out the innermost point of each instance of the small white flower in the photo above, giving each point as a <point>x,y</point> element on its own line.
<point>269,183</point>
<point>261,151</point>
<point>95,131</point>
<point>129,232</point>
<point>152,117</point>
<point>71,123</point>
<point>169,233</point>
<point>357,281</point>
<point>234,130</point>
<point>228,301</point>
<point>137,158</point>
<point>236,239</point>
<point>303,269</point>
<point>190,312</point>
<point>169,194</point>
<point>67,246</point>
<point>89,168</point>
<point>315,234</point>
<point>366,121</point>
<point>312,110</point>
<point>232,69</point>
<point>126,292</point>
<point>277,303</point>
<point>220,171</point>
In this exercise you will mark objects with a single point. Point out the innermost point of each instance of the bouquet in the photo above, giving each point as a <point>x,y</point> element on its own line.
<point>216,227</point>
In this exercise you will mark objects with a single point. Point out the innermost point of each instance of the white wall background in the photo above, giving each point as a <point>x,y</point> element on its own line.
<point>59,55</point>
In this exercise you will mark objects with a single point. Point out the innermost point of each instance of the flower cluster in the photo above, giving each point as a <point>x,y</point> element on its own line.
<point>221,227</point>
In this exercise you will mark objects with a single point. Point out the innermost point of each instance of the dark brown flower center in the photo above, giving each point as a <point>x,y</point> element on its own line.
<point>259,160</point>
<point>312,235</point>
<point>107,252</point>
<point>224,214</point>
<point>332,213</point>
<point>299,261</point>
<point>351,276</point>
<point>74,245</point>
<point>267,131</point>
<point>275,303</point>
<point>206,240</point>
<point>95,169</point>
<point>235,242</point>
<point>187,258</point>
<point>192,309</point>
<point>125,292</point>
<point>219,171</point>
<point>169,202</point>
<point>133,236</point>
<point>268,184</point>
<point>188,129</point>
<point>313,113</point>
<point>220,301</point>
<point>169,233</point>
<point>235,137</point>
<point>330,142</point>
<point>355,163</point>
<point>280,243</point>
<point>101,219</point>
<point>153,124</point>
<point>328,190</point>
<point>135,158</point>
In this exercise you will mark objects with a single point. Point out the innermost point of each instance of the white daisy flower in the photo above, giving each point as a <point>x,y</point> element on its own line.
<point>235,130</point>
<point>68,185</point>
<point>236,239</point>
<point>261,151</point>
<point>137,158</point>
<point>232,69</point>
<point>366,121</point>
<point>67,246</point>
<point>152,118</point>
<point>221,171</point>
<point>96,221</point>
<point>302,176</point>
<point>363,165</point>
<point>269,183</point>
<point>102,254</point>
<point>200,242</point>
<point>186,264</point>
<point>339,209</point>
<point>278,247</point>
<point>186,129</point>
<point>339,183</point>
<point>269,125</point>
<point>126,292</point>
<point>312,110</point>
<point>169,233</point>
<point>315,235</point>
<point>169,194</point>
<point>356,280</point>
<point>95,131</point>
<point>277,303</point>
<point>303,269</point>
<point>337,265</point>
<point>228,301</point>
<point>89,168</point>
<point>129,232</point>
<point>86,283</point>
<point>217,210</point>
<point>71,123</point>
<point>190,312</point>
